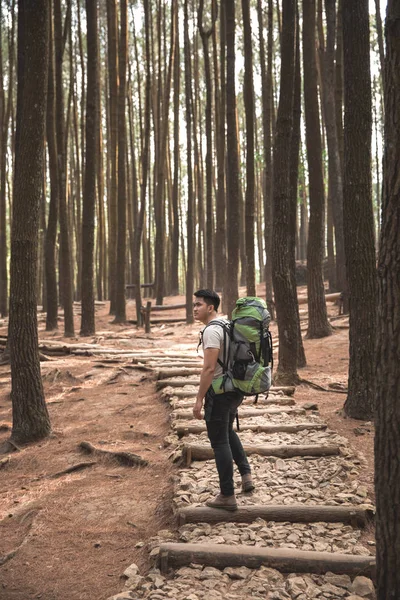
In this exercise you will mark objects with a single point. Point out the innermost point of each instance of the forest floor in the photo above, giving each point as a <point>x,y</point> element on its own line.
<point>75,533</point>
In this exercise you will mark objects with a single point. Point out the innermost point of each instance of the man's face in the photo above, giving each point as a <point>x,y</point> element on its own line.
<point>201,310</point>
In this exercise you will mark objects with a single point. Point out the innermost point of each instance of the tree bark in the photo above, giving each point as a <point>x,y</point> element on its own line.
<point>91,146</point>
<point>120,304</point>
<point>318,324</point>
<point>205,35</point>
<point>232,176</point>
<point>65,247</point>
<point>357,210</point>
<point>266,85</point>
<point>51,232</point>
<point>112,141</point>
<point>175,185</point>
<point>248,94</point>
<point>30,417</point>
<point>285,299</point>
<point>190,198</point>
<point>387,416</point>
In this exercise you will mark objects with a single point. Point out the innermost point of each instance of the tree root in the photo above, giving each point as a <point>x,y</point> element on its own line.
<point>6,557</point>
<point>72,469</point>
<point>316,386</point>
<point>8,447</point>
<point>123,458</point>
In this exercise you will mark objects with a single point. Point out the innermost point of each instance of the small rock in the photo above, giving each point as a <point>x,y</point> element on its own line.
<point>139,545</point>
<point>237,572</point>
<point>362,586</point>
<point>123,596</point>
<point>131,571</point>
<point>343,581</point>
<point>310,406</point>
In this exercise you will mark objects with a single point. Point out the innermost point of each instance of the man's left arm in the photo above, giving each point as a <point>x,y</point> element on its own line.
<point>206,377</point>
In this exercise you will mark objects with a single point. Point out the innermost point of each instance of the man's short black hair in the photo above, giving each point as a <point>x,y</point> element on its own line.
<point>209,296</point>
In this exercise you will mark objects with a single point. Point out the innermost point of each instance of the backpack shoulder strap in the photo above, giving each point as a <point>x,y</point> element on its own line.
<point>226,329</point>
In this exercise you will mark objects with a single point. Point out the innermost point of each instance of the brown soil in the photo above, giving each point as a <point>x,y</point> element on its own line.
<point>75,534</point>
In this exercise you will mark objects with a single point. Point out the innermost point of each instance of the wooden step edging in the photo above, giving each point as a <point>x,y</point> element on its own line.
<point>294,513</point>
<point>183,393</point>
<point>273,401</point>
<point>286,560</point>
<point>182,429</point>
<point>199,452</point>
<point>246,412</point>
<point>179,383</point>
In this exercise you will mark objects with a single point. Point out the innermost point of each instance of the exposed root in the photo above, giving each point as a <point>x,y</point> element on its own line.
<point>316,386</point>
<point>123,458</point>
<point>8,447</point>
<point>72,469</point>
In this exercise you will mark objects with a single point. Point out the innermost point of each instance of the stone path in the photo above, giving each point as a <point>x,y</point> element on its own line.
<point>296,537</point>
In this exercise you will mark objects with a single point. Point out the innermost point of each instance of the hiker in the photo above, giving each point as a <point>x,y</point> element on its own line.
<point>219,409</point>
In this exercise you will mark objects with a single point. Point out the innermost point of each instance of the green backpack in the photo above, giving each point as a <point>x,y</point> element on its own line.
<point>248,367</point>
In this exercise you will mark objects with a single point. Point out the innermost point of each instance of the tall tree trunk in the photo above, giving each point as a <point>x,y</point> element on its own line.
<point>357,210</point>
<point>89,198</point>
<point>138,236</point>
<point>175,186</point>
<point>65,252</point>
<point>220,117</point>
<point>293,182</point>
<point>120,304</point>
<point>205,34</point>
<point>190,229</point>
<point>5,119</point>
<point>51,232</point>
<point>248,93</point>
<point>266,85</point>
<point>387,397</point>
<point>335,171</point>
<point>318,324</point>
<point>285,299</point>
<point>112,141</point>
<point>30,416</point>
<point>160,187</point>
<point>232,176</point>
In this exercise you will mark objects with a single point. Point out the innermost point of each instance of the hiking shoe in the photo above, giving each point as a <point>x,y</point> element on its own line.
<point>225,502</point>
<point>247,483</point>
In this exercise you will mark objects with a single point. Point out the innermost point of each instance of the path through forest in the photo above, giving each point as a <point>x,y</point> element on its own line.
<point>76,532</point>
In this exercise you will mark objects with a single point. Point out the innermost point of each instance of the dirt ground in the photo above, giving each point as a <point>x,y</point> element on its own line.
<point>75,534</point>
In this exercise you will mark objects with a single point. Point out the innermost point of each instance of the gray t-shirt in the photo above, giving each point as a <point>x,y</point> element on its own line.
<point>213,337</point>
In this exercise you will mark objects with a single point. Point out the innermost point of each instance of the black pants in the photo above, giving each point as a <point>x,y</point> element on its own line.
<point>219,413</point>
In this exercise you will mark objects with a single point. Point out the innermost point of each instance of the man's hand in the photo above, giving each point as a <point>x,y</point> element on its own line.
<point>197,408</point>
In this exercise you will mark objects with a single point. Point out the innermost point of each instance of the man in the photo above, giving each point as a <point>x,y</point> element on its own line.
<point>219,409</point>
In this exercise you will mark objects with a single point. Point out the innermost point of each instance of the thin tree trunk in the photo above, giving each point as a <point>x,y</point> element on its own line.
<point>120,304</point>
<point>232,177</point>
<point>205,34</point>
<point>65,252</point>
<point>248,93</point>
<point>266,84</point>
<point>112,141</point>
<point>318,324</point>
<point>89,198</point>
<point>190,229</point>
<point>357,209</point>
<point>285,299</point>
<point>51,232</point>
<point>175,186</point>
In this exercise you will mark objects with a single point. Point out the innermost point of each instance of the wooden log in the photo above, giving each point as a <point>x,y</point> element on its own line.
<point>328,298</point>
<point>288,390</point>
<point>246,412</point>
<point>185,393</point>
<point>200,452</point>
<point>182,429</point>
<point>161,321</point>
<point>162,307</point>
<point>295,513</point>
<point>131,286</point>
<point>178,372</point>
<point>247,402</point>
<point>287,560</point>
